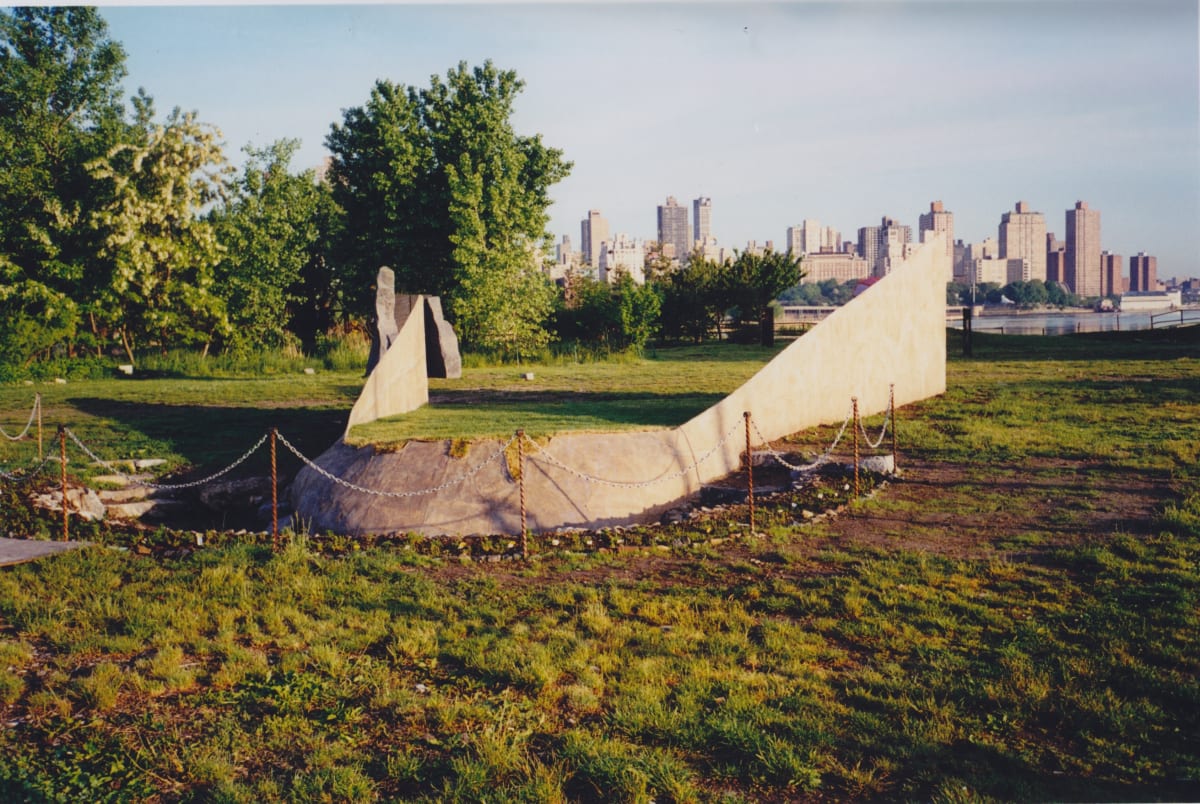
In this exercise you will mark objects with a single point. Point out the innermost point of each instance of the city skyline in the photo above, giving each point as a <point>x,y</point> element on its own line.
<point>893,105</point>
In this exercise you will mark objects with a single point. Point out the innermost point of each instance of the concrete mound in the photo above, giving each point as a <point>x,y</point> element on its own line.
<point>891,335</point>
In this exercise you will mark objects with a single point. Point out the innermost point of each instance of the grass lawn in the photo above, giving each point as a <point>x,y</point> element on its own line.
<point>983,628</point>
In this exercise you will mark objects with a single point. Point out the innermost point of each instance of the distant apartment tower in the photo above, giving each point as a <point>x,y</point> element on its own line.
<point>1112,280</point>
<point>874,242</point>
<point>1143,272</point>
<point>674,229</point>
<point>809,237</point>
<point>1056,259</point>
<point>593,232</point>
<point>1023,237</point>
<point>1082,261</point>
<point>937,219</point>
<point>622,254</point>
<point>702,219</point>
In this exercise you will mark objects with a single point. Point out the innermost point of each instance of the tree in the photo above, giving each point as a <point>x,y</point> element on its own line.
<point>638,309</point>
<point>693,299</point>
<point>436,184</point>
<point>157,255</point>
<point>60,80</point>
<point>273,241</point>
<point>753,280</point>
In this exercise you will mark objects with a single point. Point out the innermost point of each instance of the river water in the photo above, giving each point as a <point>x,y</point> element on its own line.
<point>1065,323</point>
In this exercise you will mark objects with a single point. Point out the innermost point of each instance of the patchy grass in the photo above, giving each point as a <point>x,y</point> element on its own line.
<point>1057,662</point>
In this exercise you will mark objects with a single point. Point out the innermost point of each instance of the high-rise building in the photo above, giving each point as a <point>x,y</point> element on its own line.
<point>1112,282</point>
<point>1023,236</point>
<point>702,219</point>
<point>622,254</point>
<point>1056,259</point>
<point>674,228</point>
<point>874,241</point>
<point>1082,260</point>
<point>809,237</point>
<point>593,232</point>
<point>1143,272</point>
<point>937,219</point>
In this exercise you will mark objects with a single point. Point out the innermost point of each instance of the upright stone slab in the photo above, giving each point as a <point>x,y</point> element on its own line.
<point>442,358</point>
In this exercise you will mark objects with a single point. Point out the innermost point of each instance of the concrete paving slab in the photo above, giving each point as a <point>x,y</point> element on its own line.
<point>21,551</point>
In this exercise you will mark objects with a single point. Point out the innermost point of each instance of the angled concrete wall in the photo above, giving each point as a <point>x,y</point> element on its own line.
<point>894,333</point>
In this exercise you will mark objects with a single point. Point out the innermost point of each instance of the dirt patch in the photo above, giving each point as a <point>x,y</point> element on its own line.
<point>954,510</point>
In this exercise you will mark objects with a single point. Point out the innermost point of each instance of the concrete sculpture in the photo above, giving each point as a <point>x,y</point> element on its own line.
<point>893,334</point>
<point>413,342</point>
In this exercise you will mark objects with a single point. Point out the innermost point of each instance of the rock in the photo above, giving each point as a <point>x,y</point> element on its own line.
<point>711,496</point>
<point>59,381</point>
<point>231,495</point>
<point>129,494</point>
<point>81,501</point>
<point>148,463</point>
<point>442,358</point>
<point>310,371</point>
<point>154,510</point>
<point>126,369</point>
<point>879,464</point>
<point>528,375</point>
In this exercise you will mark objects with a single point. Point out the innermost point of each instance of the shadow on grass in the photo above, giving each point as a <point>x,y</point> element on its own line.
<point>1149,344</point>
<point>211,437</point>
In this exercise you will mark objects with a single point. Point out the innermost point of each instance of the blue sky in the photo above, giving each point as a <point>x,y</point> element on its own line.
<point>839,111</point>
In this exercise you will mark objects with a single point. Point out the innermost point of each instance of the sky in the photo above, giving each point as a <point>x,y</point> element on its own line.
<point>843,112</point>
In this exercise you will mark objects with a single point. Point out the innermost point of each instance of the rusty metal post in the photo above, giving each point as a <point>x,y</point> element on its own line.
<point>855,426</point>
<point>521,482</point>
<point>892,413</point>
<point>62,457</point>
<point>274,494</point>
<point>749,472</point>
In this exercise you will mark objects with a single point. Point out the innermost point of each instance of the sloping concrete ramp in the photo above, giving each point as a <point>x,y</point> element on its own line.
<point>892,334</point>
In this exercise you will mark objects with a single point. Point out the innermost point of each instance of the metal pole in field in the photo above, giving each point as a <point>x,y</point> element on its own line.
<point>62,457</point>
<point>274,494</point>
<point>892,412</point>
<point>749,472</point>
<point>521,481</point>
<point>855,426</point>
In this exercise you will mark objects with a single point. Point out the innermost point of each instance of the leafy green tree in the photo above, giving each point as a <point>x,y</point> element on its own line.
<point>60,80</point>
<point>753,280</point>
<point>693,299</point>
<point>436,184</point>
<point>638,310</point>
<point>157,255</point>
<point>273,241</point>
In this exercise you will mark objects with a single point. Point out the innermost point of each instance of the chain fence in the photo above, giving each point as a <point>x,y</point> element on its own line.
<point>539,454</point>
<point>33,414</point>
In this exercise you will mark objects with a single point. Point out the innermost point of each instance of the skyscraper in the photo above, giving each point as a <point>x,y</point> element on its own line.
<point>593,232</point>
<point>702,219</point>
<point>1143,272</point>
<point>937,219</point>
<point>1023,236</point>
<point>874,242</point>
<point>674,229</point>
<point>1082,262</point>
<point>1056,259</point>
<point>808,237</point>
<point>1111,281</point>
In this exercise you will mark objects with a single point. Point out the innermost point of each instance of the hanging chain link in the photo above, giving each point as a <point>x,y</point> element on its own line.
<point>37,403</point>
<point>394,494</point>
<point>820,461</point>
<point>621,484</point>
<point>168,486</point>
<point>29,475</point>
<point>886,422</point>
